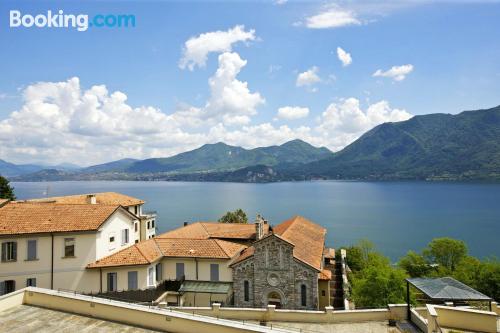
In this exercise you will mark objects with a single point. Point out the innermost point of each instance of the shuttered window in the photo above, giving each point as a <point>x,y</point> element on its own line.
<point>69,247</point>
<point>125,236</point>
<point>159,272</point>
<point>179,270</point>
<point>9,251</point>
<point>32,249</point>
<point>132,280</point>
<point>112,283</point>
<point>214,272</point>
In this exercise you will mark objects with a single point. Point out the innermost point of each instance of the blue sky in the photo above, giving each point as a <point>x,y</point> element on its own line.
<point>451,50</point>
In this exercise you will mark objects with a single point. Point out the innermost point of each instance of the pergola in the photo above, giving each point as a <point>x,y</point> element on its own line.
<point>445,289</point>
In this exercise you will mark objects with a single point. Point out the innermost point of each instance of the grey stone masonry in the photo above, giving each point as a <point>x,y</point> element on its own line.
<point>275,277</point>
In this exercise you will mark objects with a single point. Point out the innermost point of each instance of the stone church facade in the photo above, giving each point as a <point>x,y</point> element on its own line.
<point>272,275</point>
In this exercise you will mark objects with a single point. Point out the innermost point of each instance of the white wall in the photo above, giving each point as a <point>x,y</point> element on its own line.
<point>113,227</point>
<point>169,269</point>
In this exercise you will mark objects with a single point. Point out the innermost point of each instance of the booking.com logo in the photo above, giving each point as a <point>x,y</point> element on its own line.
<point>80,22</point>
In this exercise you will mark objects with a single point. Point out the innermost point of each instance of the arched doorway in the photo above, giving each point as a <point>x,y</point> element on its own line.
<point>274,298</point>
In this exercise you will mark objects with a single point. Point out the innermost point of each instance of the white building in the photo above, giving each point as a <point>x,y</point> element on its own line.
<point>49,243</point>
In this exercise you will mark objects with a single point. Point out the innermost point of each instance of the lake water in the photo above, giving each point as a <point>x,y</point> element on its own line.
<point>396,216</point>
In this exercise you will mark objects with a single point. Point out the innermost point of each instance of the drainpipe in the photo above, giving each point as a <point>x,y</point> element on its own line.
<point>196,264</point>
<point>100,280</point>
<point>52,262</point>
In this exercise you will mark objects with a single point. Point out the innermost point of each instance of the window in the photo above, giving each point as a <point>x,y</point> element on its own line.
<point>159,272</point>
<point>151,276</point>
<point>112,281</point>
<point>136,241</point>
<point>135,226</point>
<point>124,236</point>
<point>69,247</point>
<point>136,210</point>
<point>303,295</point>
<point>9,251</point>
<point>132,280</point>
<point>7,286</point>
<point>31,249</point>
<point>31,282</point>
<point>152,223</point>
<point>111,239</point>
<point>148,224</point>
<point>214,272</point>
<point>246,291</point>
<point>179,270</point>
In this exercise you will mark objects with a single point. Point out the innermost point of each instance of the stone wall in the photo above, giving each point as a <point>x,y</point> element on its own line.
<point>274,272</point>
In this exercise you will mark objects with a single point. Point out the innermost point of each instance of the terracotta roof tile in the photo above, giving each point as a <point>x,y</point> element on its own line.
<point>104,198</point>
<point>142,253</point>
<point>149,251</point>
<point>308,238</point>
<point>325,274</point>
<point>28,218</point>
<point>206,230</point>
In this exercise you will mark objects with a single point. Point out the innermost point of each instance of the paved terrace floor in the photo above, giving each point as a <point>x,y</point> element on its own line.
<point>26,318</point>
<point>365,327</point>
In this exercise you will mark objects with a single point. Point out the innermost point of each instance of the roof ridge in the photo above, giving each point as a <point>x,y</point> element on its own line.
<point>158,247</point>
<point>220,247</point>
<point>138,249</point>
<point>204,228</point>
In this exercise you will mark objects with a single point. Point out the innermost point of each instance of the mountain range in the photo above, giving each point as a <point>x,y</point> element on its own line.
<point>465,146</point>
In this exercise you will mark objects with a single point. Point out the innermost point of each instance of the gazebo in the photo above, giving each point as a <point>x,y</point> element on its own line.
<point>445,289</point>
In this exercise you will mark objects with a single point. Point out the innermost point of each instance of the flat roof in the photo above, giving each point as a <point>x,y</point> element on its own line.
<point>28,318</point>
<point>205,287</point>
<point>447,289</point>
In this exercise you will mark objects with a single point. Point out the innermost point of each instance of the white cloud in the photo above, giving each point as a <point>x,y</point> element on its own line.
<point>308,77</point>
<point>231,98</point>
<point>196,49</point>
<point>280,2</point>
<point>332,17</point>
<point>397,73</point>
<point>341,123</point>
<point>292,112</point>
<point>344,57</point>
<point>62,122</point>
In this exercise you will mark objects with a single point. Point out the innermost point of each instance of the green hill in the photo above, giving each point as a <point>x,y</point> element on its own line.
<point>434,146</point>
<point>222,157</point>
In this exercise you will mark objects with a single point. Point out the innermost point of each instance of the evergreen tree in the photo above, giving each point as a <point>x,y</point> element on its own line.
<point>6,191</point>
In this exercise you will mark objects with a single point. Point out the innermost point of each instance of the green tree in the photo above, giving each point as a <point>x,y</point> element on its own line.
<point>488,281</point>
<point>6,191</point>
<point>238,216</point>
<point>468,271</point>
<point>414,264</point>
<point>379,285</point>
<point>447,252</point>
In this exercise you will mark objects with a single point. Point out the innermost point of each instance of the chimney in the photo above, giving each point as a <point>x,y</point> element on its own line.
<point>259,227</point>
<point>91,199</point>
<point>186,223</point>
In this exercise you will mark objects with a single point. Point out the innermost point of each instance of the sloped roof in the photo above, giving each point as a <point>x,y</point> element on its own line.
<point>149,251</point>
<point>142,253</point>
<point>447,289</point>
<point>205,230</point>
<point>307,238</point>
<point>103,198</point>
<point>325,274</point>
<point>28,218</point>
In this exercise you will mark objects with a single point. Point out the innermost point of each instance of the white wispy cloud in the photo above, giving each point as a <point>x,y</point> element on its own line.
<point>344,57</point>
<point>308,78</point>
<point>332,16</point>
<point>397,73</point>
<point>293,112</point>
<point>196,49</point>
